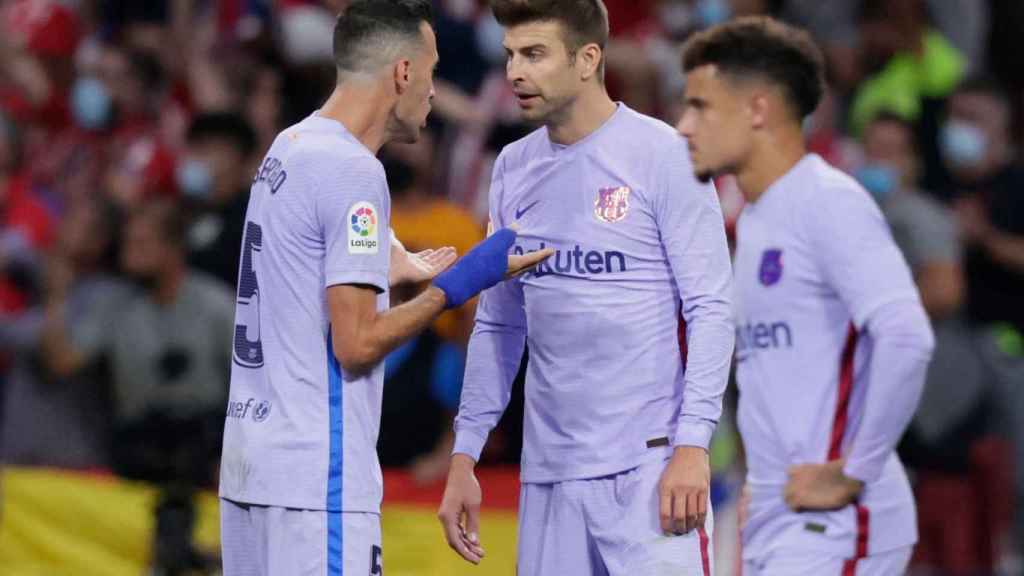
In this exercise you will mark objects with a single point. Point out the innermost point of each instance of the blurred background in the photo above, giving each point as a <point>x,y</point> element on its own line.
<point>129,133</point>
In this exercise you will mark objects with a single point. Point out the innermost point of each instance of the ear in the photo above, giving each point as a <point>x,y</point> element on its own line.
<point>403,75</point>
<point>758,107</point>
<point>589,60</point>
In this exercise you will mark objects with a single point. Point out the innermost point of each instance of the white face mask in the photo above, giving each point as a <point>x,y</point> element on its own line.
<point>195,179</point>
<point>963,144</point>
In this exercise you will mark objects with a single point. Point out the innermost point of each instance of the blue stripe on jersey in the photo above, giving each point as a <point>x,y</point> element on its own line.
<point>335,544</point>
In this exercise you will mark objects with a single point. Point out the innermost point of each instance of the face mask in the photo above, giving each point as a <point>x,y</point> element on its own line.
<point>880,180</point>
<point>90,103</point>
<point>963,144</point>
<point>712,12</point>
<point>194,179</point>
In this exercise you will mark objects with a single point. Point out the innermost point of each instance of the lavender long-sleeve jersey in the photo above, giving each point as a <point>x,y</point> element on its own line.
<point>639,243</point>
<point>832,346</point>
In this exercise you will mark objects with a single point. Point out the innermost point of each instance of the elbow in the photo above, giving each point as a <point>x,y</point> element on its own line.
<point>920,336</point>
<point>356,361</point>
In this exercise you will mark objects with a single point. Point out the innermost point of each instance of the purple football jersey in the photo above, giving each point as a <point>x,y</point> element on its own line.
<point>639,243</point>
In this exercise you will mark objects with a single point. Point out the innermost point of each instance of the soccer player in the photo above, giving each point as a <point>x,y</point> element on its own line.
<point>300,481</point>
<point>614,467</point>
<point>832,343</point>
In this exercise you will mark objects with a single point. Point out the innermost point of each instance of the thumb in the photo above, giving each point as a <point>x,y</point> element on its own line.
<point>473,523</point>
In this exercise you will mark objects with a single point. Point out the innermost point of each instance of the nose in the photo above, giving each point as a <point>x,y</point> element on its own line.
<point>513,70</point>
<point>685,124</point>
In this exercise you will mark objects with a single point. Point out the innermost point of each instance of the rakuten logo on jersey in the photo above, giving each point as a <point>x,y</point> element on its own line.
<point>763,336</point>
<point>576,262</point>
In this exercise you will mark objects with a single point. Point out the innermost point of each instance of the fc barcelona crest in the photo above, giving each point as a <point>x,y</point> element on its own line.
<point>612,204</point>
<point>771,267</point>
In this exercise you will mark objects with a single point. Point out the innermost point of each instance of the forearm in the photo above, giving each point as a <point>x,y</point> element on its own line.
<point>388,330</point>
<point>495,352</point>
<point>903,344</point>
<point>710,338</point>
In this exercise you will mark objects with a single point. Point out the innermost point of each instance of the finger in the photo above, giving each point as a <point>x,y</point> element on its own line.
<point>452,533</point>
<point>446,257</point>
<point>665,510</point>
<point>702,508</point>
<point>469,552</point>
<point>473,527</point>
<point>692,510</point>
<point>679,512</point>
<point>520,264</point>
<point>473,547</point>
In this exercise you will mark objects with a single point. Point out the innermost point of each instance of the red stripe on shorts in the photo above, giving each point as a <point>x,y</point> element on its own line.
<point>705,559</point>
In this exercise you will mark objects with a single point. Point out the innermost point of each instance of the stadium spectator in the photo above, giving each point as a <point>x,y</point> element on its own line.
<point>167,346</point>
<point>214,175</point>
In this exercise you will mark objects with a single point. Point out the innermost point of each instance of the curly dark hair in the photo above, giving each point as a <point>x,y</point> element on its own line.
<point>766,48</point>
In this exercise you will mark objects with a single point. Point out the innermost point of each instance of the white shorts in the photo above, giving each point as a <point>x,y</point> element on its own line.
<point>796,563</point>
<point>606,527</point>
<point>271,541</point>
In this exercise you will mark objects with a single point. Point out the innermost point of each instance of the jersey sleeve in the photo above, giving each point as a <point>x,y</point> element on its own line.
<point>855,251</point>
<point>692,232</point>
<point>495,351</point>
<point>352,212</point>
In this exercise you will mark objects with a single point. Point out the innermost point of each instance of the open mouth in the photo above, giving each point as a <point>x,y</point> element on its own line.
<point>525,99</point>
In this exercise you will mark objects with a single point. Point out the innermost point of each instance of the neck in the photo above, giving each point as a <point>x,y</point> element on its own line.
<point>591,109</point>
<point>773,156</point>
<point>357,105</point>
<point>166,290</point>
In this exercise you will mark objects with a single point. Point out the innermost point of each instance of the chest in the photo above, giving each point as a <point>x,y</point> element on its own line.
<point>775,269</point>
<point>582,205</point>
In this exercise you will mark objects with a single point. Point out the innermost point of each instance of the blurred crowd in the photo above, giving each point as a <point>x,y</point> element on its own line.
<point>130,131</point>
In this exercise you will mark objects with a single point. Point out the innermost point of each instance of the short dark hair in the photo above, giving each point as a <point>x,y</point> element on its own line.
<point>585,21</point>
<point>762,46</point>
<point>223,126</point>
<point>368,25</point>
<point>983,84</point>
<point>887,116</point>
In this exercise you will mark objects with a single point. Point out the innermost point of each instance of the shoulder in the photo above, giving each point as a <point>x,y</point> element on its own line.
<point>518,153</point>
<point>653,146</point>
<point>330,154</point>
<point>821,188</point>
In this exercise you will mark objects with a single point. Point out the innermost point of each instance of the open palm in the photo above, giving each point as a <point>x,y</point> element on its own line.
<point>409,267</point>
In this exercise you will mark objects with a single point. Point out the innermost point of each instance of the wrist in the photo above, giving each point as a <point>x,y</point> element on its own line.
<point>462,462</point>
<point>690,451</point>
<point>437,296</point>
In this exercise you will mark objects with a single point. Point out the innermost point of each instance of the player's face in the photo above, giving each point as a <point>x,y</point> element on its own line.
<point>890,144</point>
<point>715,123</point>
<point>541,70</point>
<point>414,104</point>
<point>145,252</point>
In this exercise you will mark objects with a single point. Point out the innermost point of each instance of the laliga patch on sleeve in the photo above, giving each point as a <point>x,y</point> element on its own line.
<point>362,229</point>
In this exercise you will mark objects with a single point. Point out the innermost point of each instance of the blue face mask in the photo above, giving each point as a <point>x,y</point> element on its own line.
<point>880,180</point>
<point>712,12</point>
<point>195,179</point>
<point>90,103</point>
<point>963,144</point>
